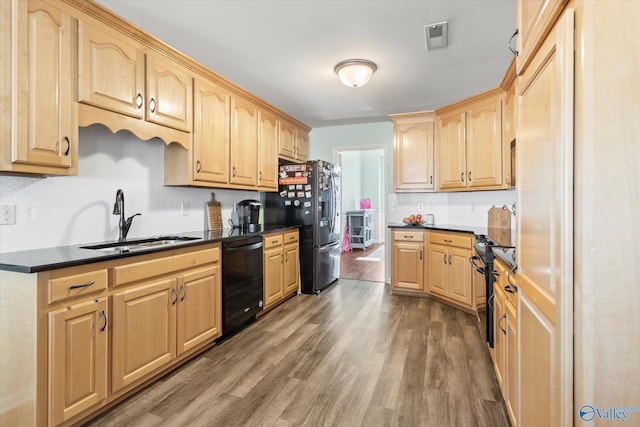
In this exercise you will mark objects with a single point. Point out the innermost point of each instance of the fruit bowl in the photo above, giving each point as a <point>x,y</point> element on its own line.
<point>413,223</point>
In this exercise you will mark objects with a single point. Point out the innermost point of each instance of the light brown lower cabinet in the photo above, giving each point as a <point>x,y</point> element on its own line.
<point>450,274</point>
<point>135,318</point>
<point>505,354</point>
<point>281,257</point>
<point>408,261</point>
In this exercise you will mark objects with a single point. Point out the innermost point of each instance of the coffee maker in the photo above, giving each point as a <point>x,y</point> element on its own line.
<point>249,216</point>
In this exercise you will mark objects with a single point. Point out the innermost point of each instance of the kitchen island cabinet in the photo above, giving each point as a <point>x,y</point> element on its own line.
<point>39,123</point>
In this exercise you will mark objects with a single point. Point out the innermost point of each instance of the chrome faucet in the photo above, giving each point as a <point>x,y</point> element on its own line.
<point>118,209</point>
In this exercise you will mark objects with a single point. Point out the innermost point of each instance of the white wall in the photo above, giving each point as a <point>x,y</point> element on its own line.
<point>58,211</point>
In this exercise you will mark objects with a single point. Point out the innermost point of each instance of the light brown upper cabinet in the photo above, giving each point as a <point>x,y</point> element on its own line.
<point>268,135</point>
<point>294,143</point>
<point>244,142</point>
<point>38,125</point>
<point>472,152</point>
<point>535,18</point>
<point>116,74</point>
<point>413,149</point>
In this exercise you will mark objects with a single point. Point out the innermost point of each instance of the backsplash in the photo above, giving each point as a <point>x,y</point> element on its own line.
<point>57,211</point>
<point>464,208</point>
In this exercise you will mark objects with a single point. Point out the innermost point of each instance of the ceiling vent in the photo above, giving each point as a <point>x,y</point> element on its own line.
<point>436,35</point>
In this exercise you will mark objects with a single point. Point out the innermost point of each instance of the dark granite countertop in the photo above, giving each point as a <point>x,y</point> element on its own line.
<point>36,260</point>
<point>460,228</point>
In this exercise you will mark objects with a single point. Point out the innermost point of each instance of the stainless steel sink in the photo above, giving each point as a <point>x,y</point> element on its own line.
<point>141,244</point>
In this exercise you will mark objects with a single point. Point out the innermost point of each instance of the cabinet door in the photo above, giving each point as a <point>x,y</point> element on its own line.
<point>413,154</point>
<point>452,153</point>
<point>144,331</point>
<point>268,133</point>
<point>211,132</point>
<point>511,364</point>
<point>199,308</point>
<point>169,93</point>
<point>291,270</point>
<point>409,265</point>
<point>302,145</point>
<point>438,270</point>
<point>534,19</point>
<point>460,279</point>
<point>46,129</point>
<point>110,71</point>
<point>273,274</point>
<point>77,359</point>
<point>244,142</point>
<point>287,143</point>
<point>484,145</point>
<point>545,230</point>
<point>499,336</point>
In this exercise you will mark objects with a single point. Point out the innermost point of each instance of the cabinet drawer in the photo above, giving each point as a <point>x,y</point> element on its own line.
<point>291,236</point>
<point>461,240</point>
<point>408,236</point>
<point>156,267</point>
<point>76,285</point>
<point>273,240</point>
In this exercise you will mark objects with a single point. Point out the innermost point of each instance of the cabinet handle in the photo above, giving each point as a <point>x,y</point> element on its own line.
<point>510,289</point>
<point>234,171</point>
<point>449,259</point>
<point>152,105</point>
<point>89,283</point>
<point>408,237</point>
<point>495,274</point>
<point>430,179</point>
<point>286,257</point>
<point>444,258</point>
<point>139,101</point>
<point>184,292</point>
<point>461,176</point>
<point>515,52</point>
<point>281,259</point>
<point>260,176</point>
<point>503,317</point>
<point>198,166</point>
<point>448,241</point>
<point>173,291</point>
<point>66,152</point>
<point>104,316</point>
<point>420,255</point>
<point>469,176</point>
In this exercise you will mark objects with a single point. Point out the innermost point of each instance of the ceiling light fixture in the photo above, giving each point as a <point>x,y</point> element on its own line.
<point>355,72</point>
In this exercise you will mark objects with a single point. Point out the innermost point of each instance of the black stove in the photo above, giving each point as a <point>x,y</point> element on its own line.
<point>483,263</point>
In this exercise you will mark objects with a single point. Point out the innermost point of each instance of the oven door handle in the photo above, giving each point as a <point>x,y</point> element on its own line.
<point>474,265</point>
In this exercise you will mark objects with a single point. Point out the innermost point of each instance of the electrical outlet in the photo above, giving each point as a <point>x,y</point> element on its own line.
<point>184,207</point>
<point>7,214</point>
<point>420,207</point>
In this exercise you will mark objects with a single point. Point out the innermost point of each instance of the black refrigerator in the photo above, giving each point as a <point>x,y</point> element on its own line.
<point>309,196</point>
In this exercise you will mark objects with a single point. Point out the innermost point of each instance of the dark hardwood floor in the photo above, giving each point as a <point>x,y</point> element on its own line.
<point>356,264</point>
<point>354,355</point>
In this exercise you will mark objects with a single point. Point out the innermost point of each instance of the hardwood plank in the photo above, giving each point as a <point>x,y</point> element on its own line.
<point>354,355</point>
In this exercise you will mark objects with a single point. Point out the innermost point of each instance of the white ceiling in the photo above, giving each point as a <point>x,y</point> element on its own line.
<point>284,51</point>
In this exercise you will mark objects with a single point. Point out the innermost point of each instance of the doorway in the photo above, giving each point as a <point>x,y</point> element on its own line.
<point>364,180</point>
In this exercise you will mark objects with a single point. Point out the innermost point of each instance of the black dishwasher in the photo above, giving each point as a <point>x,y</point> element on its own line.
<point>241,282</point>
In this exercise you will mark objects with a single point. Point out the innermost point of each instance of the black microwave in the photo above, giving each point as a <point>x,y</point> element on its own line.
<point>513,163</point>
